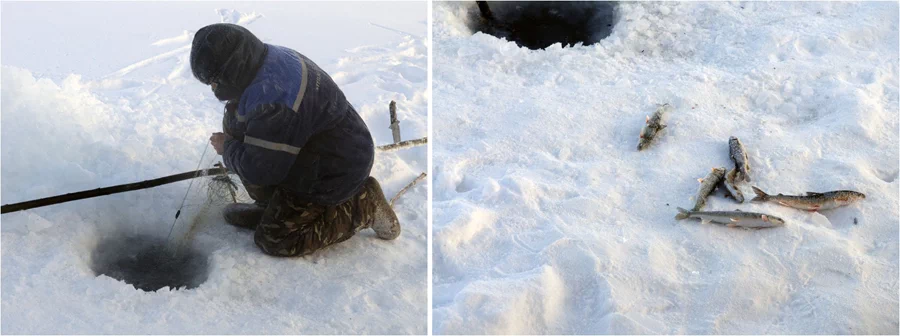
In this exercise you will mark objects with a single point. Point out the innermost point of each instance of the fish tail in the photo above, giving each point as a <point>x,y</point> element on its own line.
<point>761,196</point>
<point>682,214</point>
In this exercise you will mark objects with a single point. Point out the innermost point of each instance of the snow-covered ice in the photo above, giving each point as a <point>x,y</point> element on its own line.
<point>548,220</point>
<point>99,94</point>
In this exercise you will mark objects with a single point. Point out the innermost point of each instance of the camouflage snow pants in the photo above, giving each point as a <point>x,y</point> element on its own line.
<point>290,227</point>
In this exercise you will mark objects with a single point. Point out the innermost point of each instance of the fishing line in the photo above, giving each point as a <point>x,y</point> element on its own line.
<point>178,213</point>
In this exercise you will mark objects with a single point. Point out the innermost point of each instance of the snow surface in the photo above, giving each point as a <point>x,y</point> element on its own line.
<point>548,220</point>
<point>99,94</point>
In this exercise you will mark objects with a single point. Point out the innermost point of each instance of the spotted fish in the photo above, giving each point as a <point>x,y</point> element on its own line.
<point>654,124</point>
<point>707,185</point>
<point>741,161</point>
<point>813,201</point>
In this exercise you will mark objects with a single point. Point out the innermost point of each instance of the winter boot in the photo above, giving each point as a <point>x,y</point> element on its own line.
<point>381,217</point>
<point>244,215</point>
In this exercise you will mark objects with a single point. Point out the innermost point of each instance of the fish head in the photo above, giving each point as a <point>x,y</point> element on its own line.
<point>850,196</point>
<point>772,219</point>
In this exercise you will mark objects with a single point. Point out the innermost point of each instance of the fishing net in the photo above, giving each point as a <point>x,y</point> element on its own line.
<point>206,193</point>
<point>150,261</point>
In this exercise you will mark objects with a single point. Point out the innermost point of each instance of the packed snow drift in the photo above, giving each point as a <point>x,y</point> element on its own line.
<point>100,94</point>
<point>548,220</point>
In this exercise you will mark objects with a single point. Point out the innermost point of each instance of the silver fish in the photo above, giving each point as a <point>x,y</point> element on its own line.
<point>654,125</point>
<point>739,156</point>
<point>813,201</point>
<point>728,184</point>
<point>707,185</point>
<point>737,218</point>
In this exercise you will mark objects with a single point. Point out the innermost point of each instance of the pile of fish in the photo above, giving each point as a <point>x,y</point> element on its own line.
<point>728,181</point>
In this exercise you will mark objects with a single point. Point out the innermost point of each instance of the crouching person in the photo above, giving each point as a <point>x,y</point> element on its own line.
<point>301,150</point>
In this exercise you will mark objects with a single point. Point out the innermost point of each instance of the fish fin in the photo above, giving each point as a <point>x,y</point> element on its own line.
<point>734,219</point>
<point>761,196</point>
<point>737,209</point>
<point>682,214</point>
<point>705,221</point>
<point>731,225</point>
<point>810,193</point>
<point>700,180</point>
<point>765,218</point>
<point>661,127</point>
<point>648,119</point>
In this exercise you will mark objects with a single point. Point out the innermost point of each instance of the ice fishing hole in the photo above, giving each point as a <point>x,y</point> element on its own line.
<point>148,263</point>
<point>540,24</point>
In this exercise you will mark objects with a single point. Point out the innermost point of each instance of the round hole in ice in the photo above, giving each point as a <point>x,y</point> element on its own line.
<point>148,263</point>
<point>540,24</point>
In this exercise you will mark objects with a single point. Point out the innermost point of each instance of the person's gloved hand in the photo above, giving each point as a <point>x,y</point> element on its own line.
<point>218,141</point>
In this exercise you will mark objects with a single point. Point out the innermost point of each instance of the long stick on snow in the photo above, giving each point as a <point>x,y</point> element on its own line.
<point>158,182</point>
<point>410,185</point>
<point>402,144</point>
<point>110,190</point>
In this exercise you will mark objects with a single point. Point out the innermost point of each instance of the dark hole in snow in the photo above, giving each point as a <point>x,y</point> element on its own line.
<point>147,263</point>
<point>540,24</point>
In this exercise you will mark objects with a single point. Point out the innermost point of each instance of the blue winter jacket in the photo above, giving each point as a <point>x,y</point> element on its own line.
<point>294,129</point>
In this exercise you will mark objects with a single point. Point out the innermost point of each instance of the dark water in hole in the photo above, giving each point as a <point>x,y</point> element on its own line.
<point>147,263</point>
<point>539,24</point>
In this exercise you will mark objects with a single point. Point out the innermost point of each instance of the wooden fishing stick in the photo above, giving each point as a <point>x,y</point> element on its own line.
<point>402,145</point>
<point>111,190</point>
<point>407,187</point>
